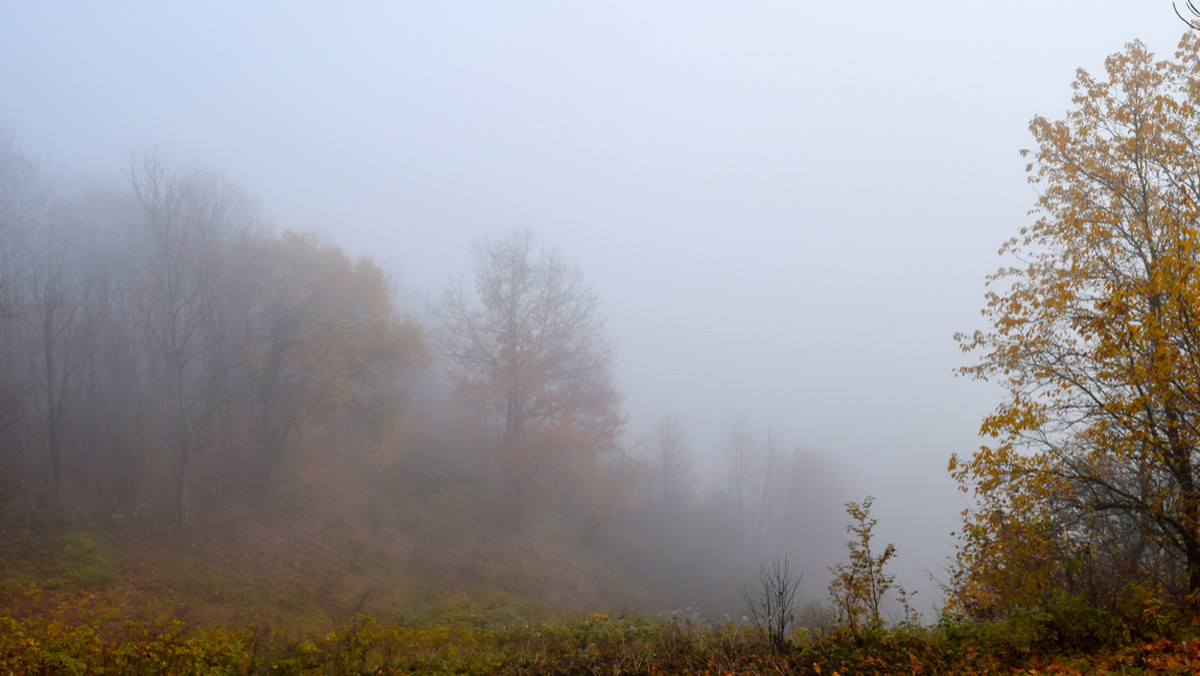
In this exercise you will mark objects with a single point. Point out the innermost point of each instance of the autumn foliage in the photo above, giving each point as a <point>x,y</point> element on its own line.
<point>529,356</point>
<point>162,350</point>
<point>860,585</point>
<point>1089,482</point>
<point>166,360</point>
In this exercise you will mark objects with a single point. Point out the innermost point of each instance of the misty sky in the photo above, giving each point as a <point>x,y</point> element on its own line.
<point>788,208</point>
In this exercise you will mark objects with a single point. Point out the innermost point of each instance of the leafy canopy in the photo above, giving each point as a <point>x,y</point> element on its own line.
<point>1089,479</point>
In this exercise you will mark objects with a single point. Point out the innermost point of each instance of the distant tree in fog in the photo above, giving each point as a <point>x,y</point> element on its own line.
<point>671,463</point>
<point>529,353</point>
<point>61,321</point>
<point>745,458</point>
<point>23,201</point>
<point>184,229</point>
<point>322,325</point>
<point>145,327</point>
<point>774,492</point>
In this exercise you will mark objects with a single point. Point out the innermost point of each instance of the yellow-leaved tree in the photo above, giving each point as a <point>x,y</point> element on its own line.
<point>1089,481</point>
<point>324,339</point>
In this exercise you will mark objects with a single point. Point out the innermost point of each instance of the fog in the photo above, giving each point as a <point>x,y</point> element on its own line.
<point>786,209</point>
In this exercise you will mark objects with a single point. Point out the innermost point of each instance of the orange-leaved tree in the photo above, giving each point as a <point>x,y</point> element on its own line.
<point>1089,481</point>
<point>529,353</point>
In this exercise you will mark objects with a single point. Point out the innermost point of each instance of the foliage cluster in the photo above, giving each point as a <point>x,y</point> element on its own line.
<point>1089,481</point>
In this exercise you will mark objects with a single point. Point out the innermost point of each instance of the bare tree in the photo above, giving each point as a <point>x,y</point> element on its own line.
<point>22,201</point>
<point>772,604</point>
<point>185,223</point>
<point>57,310</point>
<point>672,464</point>
<point>745,476</point>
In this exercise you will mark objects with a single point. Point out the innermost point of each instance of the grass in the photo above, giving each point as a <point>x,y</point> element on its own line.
<point>300,569</point>
<point>491,644</point>
<point>321,593</point>
<point>86,561</point>
<point>80,618</point>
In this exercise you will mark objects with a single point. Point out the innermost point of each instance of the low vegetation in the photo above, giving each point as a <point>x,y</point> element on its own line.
<point>1069,638</point>
<point>102,599</point>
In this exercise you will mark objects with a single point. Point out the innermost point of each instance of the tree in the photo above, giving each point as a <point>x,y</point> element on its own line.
<point>772,605</point>
<point>58,310</point>
<point>671,469</point>
<point>142,328</point>
<point>322,325</point>
<point>185,226</point>
<point>760,484</point>
<point>22,201</point>
<point>745,460</point>
<point>529,354</point>
<point>1091,472</point>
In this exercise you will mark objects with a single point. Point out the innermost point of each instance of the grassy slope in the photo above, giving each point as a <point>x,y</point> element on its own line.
<point>469,601</point>
<point>311,562</point>
<point>449,589</point>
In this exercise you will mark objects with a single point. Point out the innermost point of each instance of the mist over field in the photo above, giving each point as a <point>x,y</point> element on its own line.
<point>580,307</point>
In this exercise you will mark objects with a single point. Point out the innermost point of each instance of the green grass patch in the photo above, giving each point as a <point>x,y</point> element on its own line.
<point>85,561</point>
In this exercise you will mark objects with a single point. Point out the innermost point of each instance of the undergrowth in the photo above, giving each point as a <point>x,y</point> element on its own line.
<point>73,604</point>
<point>480,640</point>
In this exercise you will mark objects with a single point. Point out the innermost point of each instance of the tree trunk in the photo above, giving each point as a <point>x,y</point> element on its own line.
<point>182,496</point>
<point>1180,463</point>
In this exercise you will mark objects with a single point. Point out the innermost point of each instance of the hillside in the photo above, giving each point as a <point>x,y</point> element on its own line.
<point>312,563</point>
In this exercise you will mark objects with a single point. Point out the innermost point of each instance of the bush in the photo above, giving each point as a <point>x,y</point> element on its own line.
<point>1073,625</point>
<point>1066,625</point>
<point>1147,613</point>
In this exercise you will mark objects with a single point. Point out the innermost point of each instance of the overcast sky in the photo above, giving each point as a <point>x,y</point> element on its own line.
<point>788,208</point>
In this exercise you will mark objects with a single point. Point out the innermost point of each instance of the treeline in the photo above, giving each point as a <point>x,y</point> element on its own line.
<point>705,540</point>
<point>166,354</point>
<point>161,346</point>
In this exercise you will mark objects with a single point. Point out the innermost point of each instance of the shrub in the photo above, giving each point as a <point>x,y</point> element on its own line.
<point>772,605</point>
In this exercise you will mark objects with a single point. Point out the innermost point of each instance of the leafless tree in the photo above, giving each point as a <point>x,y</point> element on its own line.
<point>772,604</point>
<point>185,223</point>
<point>22,201</point>
<point>671,463</point>
<point>744,456</point>
<point>57,312</point>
